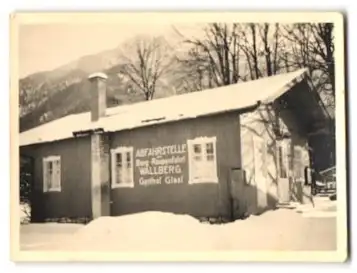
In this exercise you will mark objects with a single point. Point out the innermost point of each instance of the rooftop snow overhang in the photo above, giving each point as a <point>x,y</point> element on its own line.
<point>180,117</point>
<point>240,97</point>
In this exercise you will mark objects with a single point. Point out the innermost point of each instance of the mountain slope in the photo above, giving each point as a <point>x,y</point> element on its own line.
<point>46,96</point>
<point>37,88</point>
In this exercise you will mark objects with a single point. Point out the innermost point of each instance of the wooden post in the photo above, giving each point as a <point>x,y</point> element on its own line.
<point>95,186</point>
<point>100,188</point>
<point>100,176</point>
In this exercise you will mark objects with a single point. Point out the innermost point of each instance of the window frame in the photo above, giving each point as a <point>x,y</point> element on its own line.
<point>121,150</point>
<point>203,141</point>
<point>48,187</point>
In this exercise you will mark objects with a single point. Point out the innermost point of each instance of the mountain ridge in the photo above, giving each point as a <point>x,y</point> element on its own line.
<point>45,96</point>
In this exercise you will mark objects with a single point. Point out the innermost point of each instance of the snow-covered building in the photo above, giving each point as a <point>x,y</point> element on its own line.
<point>224,152</point>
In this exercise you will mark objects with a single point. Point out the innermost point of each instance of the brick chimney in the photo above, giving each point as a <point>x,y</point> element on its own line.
<point>98,95</point>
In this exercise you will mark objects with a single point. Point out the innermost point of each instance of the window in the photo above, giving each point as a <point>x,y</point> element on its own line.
<point>122,167</point>
<point>52,173</point>
<point>202,160</point>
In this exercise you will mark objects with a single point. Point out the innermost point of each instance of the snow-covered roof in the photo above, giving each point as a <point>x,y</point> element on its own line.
<point>185,106</point>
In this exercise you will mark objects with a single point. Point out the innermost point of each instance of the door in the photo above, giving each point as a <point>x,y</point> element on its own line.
<point>238,194</point>
<point>298,174</point>
<point>283,151</point>
<point>260,171</point>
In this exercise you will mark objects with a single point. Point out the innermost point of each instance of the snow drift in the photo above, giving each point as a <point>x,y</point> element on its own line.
<point>282,229</point>
<point>148,231</point>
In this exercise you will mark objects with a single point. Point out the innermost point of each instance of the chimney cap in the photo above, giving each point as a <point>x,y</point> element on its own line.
<point>97,75</point>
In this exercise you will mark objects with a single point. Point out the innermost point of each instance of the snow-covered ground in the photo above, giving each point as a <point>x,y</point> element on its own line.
<point>301,228</point>
<point>322,207</point>
<point>39,236</point>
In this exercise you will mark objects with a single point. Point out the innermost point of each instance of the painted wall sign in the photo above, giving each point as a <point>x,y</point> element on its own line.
<point>161,165</point>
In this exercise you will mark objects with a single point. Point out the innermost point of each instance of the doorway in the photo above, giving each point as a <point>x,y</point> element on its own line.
<point>260,171</point>
<point>283,152</point>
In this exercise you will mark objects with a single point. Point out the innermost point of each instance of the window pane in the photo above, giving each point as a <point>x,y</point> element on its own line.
<point>128,159</point>
<point>207,169</point>
<point>197,152</point>
<point>197,158</point>
<point>209,148</point>
<point>127,178</point>
<point>55,181</point>
<point>197,149</point>
<point>50,167</point>
<point>57,166</point>
<point>119,159</point>
<point>209,151</point>
<point>204,171</point>
<point>119,178</point>
<point>198,170</point>
<point>56,176</point>
<point>49,174</point>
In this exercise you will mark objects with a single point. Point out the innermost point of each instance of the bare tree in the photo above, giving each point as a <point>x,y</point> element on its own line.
<point>228,53</point>
<point>272,46</point>
<point>261,45</point>
<point>193,72</point>
<point>311,45</point>
<point>144,61</point>
<point>213,60</point>
<point>248,44</point>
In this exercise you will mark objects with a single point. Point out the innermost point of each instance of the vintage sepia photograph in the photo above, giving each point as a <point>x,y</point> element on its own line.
<point>178,134</point>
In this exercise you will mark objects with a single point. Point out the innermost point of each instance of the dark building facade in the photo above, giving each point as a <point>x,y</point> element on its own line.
<point>216,159</point>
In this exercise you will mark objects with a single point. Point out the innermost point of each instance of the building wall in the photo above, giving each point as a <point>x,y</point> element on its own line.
<point>201,200</point>
<point>262,178</point>
<point>298,139</point>
<point>237,136</point>
<point>74,199</point>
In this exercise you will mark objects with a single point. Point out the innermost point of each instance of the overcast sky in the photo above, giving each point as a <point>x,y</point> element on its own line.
<point>48,46</point>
